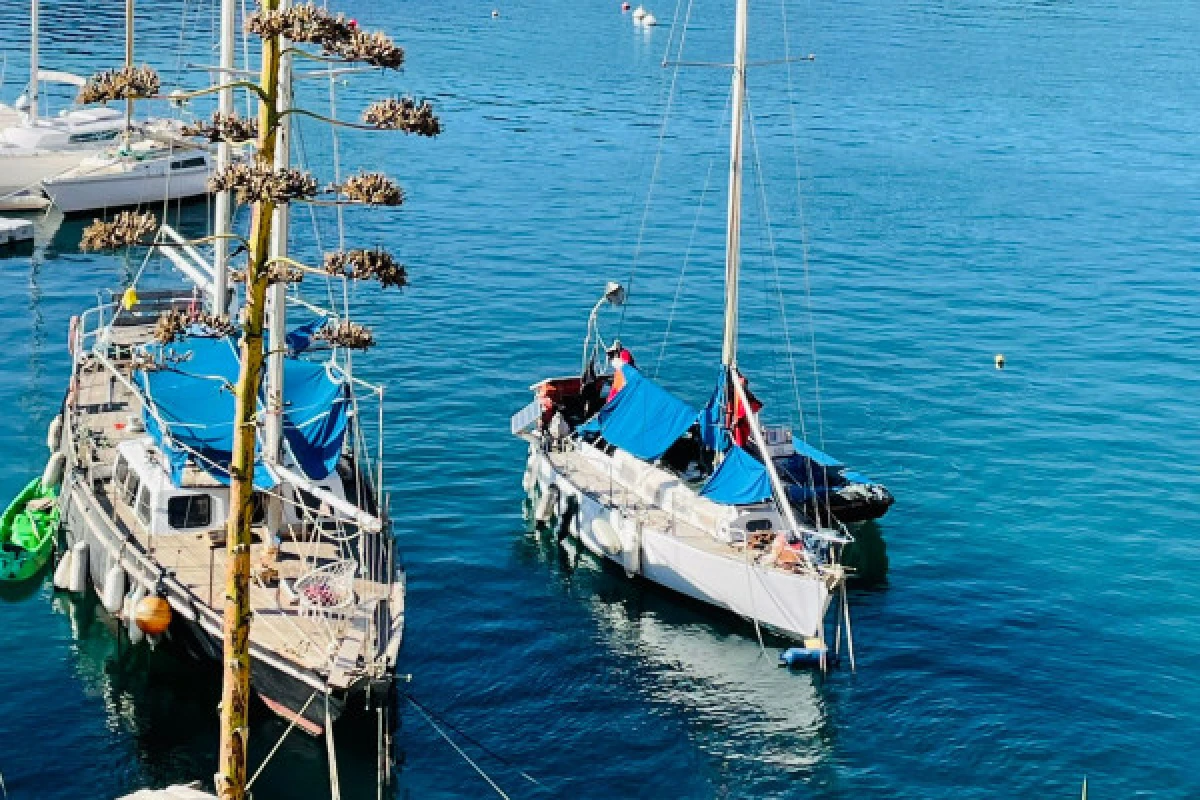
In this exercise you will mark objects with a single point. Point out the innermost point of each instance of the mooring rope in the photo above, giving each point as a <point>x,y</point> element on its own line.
<point>478,769</point>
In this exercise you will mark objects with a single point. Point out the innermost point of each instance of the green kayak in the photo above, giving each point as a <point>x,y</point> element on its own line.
<point>27,532</point>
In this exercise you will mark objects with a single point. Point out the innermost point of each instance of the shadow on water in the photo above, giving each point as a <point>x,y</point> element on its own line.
<point>867,556</point>
<point>167,702</point>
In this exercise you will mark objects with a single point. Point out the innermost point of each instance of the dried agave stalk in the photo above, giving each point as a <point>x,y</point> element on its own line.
<point>371,188</point>
<point>349,335</point>
<point>256,182</point>
<point>224,128</point>
<point>403,114</point>
<point>364,264</point>
<point>126,229</point>
<point>276,273</point>
<point>127,83</point>
<point>173,324</point>
<point>337,36</point>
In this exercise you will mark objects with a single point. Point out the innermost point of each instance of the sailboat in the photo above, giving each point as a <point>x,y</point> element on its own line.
<point>34,147</point>
<point>156,164</point>
<point>146,430</point>
<point>692,499</point>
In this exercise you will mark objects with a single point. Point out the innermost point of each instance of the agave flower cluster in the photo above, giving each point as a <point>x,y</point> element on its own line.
<point>173,324</point>
<point>365,264</point>
<point>337,36</point>
<point>276,273</point>
<point>255,182</point>
<point>224,128</point>
<point>126,229</point>
<point>371,188</point>
<point>127,83</point>
<point>349,335</point>
<point>404,114</point>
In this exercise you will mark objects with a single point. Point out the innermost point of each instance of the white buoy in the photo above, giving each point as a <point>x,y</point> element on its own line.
<point>649,20</point>
<point>606,537</point>
<point>54,433</point>
<point>547,506</point>
<point>639,14</point>
<point>62,573</point>
<point>52,475</point>
<point>136,635</point>
<point>114,588</point>
<point>78,577</point>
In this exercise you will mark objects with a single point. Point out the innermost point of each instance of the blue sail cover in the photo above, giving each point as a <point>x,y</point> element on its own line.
<point>740,479</point>
<point>194,398</point>
<point>299,338</point>
<point>712,417</point>
<point>643,419</point>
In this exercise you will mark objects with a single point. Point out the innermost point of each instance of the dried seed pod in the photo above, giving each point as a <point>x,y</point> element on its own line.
<point>376,49</point>
<point>347,334</point>
<point>403,114</point>
<point>126,229</point>
<point>306,22</point>
<point>276,273</point>
<point>364,264</point>
<point>255,182</point>
<point>127,83</point>
<point>224,128</point>
<point>170,326</point>
<point>372,188</point>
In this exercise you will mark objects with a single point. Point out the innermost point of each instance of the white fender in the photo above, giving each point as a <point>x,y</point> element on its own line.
<point>54,433</point>
<point>633,553</point>
<point>52,475</point>
<point>606,536</point>
<point>136,634</point>
<point>114,588</point>
<point>77,579</point>
<point>547,506</point>
<point>62,573</point>
<point>530,479</point>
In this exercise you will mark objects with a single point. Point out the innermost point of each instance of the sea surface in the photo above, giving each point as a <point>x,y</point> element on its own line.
<point>942,183</point>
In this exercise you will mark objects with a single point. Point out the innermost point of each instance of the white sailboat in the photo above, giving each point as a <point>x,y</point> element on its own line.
<point>156,165</point>
<point>689,499</point>
<point>35,147</point>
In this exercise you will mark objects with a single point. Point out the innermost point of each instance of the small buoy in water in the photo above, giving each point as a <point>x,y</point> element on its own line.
<point>624,7</point>
<point>639,14</point>
<point>801,656</point>
<point>649,20</point>
<point>1000,361</point>
<point>495,13</point>
<point>129,298</point>
<point>152,615</point>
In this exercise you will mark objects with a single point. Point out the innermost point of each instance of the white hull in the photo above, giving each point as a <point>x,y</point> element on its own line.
<point>22,170</point>
<point>789,603</point>
<point>84,190</point>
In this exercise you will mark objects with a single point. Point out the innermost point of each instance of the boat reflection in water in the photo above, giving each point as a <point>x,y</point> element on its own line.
<point>167,704</point>
<point>738,703</point>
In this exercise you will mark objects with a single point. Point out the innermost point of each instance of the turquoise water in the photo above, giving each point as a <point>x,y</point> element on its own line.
<point>985,178</point>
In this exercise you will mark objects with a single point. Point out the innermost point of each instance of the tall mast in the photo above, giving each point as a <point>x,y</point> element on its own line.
<point>277,292</point>
<point>128,60</point>
<point>733,234</point>
<point>221,227</point>
<point>33,63</point>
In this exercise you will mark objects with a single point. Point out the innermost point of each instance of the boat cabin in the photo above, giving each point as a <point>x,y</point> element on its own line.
<point>143,484</point>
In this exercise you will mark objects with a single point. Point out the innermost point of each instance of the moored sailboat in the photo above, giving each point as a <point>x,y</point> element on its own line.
<point>708,502</point>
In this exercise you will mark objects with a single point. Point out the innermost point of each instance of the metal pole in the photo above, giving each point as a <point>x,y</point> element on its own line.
<point>33,63</point>
<point>128,61</point>
<point>224,204</point>
<point>733,233</point>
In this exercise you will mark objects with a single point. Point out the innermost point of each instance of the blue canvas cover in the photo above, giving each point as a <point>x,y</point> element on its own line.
<point>643,419</point>
<point>712,417</point>
<point>740,479</point>
<point>299,338</point>
<point>194,398</point>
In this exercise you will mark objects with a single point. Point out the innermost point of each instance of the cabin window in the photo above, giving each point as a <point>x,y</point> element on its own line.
<point>143,507</point>
<point>130,488</point>
<point>756,525</point>
<point>258,513</point>
<point>189,163</point>
<point>189,511</point>
<point>92,136</point>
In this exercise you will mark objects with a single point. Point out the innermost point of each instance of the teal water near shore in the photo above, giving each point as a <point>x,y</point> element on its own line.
<point>987,178</point>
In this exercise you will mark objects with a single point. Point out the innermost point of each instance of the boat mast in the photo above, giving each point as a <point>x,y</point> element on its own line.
<point>277,293</point>
<point>128,62</point>
<point>33,63</point>
<point>221,227</point>
<point>733,233</point>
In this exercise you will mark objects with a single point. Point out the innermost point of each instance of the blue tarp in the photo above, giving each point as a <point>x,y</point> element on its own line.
<point>712,417</point>
<point>193,393</point>
<point>299,338</point>
<point>740,479</point>
<point>643,419</point>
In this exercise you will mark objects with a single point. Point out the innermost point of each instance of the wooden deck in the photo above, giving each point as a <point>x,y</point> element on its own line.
<point>107,413</point>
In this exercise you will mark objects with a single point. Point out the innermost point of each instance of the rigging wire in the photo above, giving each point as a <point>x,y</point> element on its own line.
<point>478,769</point>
